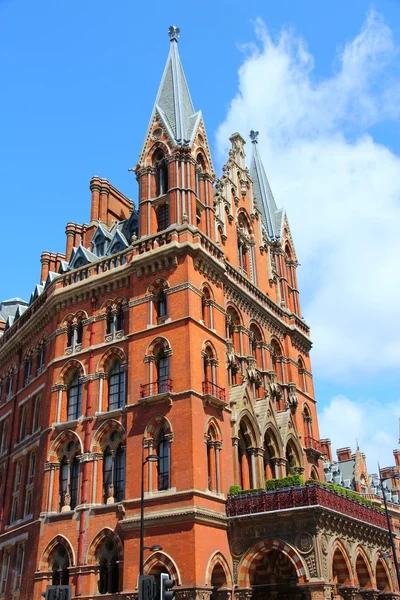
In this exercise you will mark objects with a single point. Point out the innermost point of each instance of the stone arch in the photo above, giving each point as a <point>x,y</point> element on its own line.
<point>208,350</point>
<point>232,310</point>
<point>255,327</point>
<point>98,539</point>
<point>362,568</point>
<point>79,315</point>
<point>63,438</point>
<point>243,215</point>
<point>156,285</point>
<point>161,558</point>
<point>109,302</point>
<point>340,565</point>
<point>251,426</point>
<point>108,357</point>
<point>314,474</point>
<point>218,559</point>
<point>69,366</point>
<point>211,423</point>
<point>256,553</point>
<point>292,443</point>
<point>382,576</point>
<point>156,147</point>
<point>206,290</point>
<point>160,343</point>
<point>201,159</point>
<point>272,431</point>
<point>105,429</point>
<point>46,554</point>
<point>155,424</point>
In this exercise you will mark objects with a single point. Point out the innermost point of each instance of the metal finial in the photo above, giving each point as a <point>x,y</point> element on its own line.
<point>173,33</point>
<point>254,136</point>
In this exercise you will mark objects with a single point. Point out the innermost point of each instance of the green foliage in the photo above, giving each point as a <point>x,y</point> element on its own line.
<point>333,487</point>
<point>234,490</point>
<point>282,482</point>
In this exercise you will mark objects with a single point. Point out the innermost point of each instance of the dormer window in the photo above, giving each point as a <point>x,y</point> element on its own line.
<point>80,262</point>
<point>99,247</point>
<point>117,248</point>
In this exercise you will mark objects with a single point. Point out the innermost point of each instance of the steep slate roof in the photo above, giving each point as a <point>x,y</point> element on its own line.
<point>173,103</point>
<point>272,218</point>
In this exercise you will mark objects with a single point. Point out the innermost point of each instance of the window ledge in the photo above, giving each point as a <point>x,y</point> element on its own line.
<point>67,425</point>
<point>156,399</point>
<point>108,414</point>
<point>157,493</point>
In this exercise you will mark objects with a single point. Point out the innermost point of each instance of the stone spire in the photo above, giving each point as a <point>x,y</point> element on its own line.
<point>272,218</point>
<point>173,103</point>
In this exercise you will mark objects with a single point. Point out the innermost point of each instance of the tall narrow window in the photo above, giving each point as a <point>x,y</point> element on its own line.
<point>114,470</point>
<point>22,427</point>
<point>110,321</point>
<point>40,363</point>
<point>119,479</point>
<point>107,557</point>
<point>9,386</point>
<point>19,563</point>
<point>36,415</point>
<point>28,370</point>
<point>74,398</point>
<point>116,387</point>
<point>63,483</point>
<point>107,474</point>
<point>161,304</point>
<point>79,333</point>
<point>162,372</point>
<point>70,335</point>
<point>74,482</point>
<point>3,435</point>
<point>163,452</point>
<point>162,217</point>
<point>120,318</point>
<point>161,174</point>
<point>5,565</point>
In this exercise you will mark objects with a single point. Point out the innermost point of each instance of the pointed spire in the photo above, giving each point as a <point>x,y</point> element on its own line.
<point>272,218</point>
<point>173,103</point>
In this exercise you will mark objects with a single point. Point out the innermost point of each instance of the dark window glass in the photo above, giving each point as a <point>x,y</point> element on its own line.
<point>162,373</point>
<point>74,398</point>
<point>41,358</point>
<point>162,217</point>
<point>119,474</point>
<point>63,484</point>
<point>110,321</point>
<point>70,335</point>
<point>161,177</point>
<point>163,464</point>
<point>116,387</point>
<point>79,333</point>
<point>120,318</point>
<point>161,304</point>
<point>74,482</point>
<point>107,472</point>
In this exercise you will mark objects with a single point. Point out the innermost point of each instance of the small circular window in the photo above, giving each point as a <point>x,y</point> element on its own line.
<point>157,133</point>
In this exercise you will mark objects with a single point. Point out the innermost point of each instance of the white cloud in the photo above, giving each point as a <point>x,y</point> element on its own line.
<point>372,424</point>
<point>340,188</point>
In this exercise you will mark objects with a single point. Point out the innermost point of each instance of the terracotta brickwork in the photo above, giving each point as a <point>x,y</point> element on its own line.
<point>189,343</point>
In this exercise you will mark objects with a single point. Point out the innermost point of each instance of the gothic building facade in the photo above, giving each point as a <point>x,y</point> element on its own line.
<point>172,327</point>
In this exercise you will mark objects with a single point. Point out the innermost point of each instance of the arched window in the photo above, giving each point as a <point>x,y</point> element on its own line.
<point>74,398</point>
<point>70,335</point>
<point>161,304</point>
<point>206,308</point>
<point>162,368</point>
<point>308,432</point>
<point>161,167</point>
<point>107,558</point>
<point>163,465</point>
<point>114,469</point>
<point>99,246</point>
<point>69,478</point>
<point>277,360</point>
<point>120,318</point>
<point>302,378</point>
<point>209,366</point>
<point>270,457</point>
<point>59,563</point>
<point>245,459</point>
<point>213,460</point>
<point>292,459</point>
<point>40,363</point>
<point>116,387</point>
<point>75,335</point>
<point>110,321</point>
<point>256,344</point>
<point>79,333</point>
<point>23,423</point>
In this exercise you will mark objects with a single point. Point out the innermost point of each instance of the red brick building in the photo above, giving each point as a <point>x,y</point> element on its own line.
<point>175,326</point>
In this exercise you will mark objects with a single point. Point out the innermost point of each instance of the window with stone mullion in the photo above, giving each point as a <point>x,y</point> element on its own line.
<point>74,403</point>
<point>119,474</point>
<point>116,388</point>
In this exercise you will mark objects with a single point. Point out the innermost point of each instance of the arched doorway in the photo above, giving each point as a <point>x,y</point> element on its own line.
<point>273,577</point>
<point>382,578</point>
<point>218,582</point>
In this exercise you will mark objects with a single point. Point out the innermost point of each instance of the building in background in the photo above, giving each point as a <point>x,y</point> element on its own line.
<point>175,326</point>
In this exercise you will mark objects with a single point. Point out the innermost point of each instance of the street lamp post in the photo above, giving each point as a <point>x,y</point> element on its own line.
<point>150,458</point>
<point>392,544</point>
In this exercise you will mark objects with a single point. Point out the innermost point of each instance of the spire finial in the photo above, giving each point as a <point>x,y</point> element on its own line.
<point>254,136</point>
<point>173,33</point>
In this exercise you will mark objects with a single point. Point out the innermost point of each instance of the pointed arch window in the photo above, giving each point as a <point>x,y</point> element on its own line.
<point>74,398</point>
<point>307,424</point>
<point>59,563</point>
<point>302,375</point>
<point>69,478</point>
<point>116,387</point>
<point>161,168</point>
<point>107,557</point>
<point>99,246</point>
<point>163,466</point>
<point>213,460</point>
<point>114,470</point>
<point>206,308</point>
<point>28,369</point>
<point>161,304</point>
<point>41,357</point>
<point>75,335</point>
<point>246,465</point>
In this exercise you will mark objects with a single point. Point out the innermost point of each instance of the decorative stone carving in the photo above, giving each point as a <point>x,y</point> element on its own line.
<point>311,564</point>
<point>292,399</point>
<point>304,542</point>
<point>244,594</point>
<point>238,548</point>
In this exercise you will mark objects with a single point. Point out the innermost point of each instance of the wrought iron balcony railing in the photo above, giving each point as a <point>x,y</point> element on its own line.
<point>302,496</point>
<point>161,386</point>
<point>214,390</point>
<point>309,442</point>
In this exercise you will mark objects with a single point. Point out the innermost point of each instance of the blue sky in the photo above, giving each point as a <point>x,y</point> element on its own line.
<point>319,79</point>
